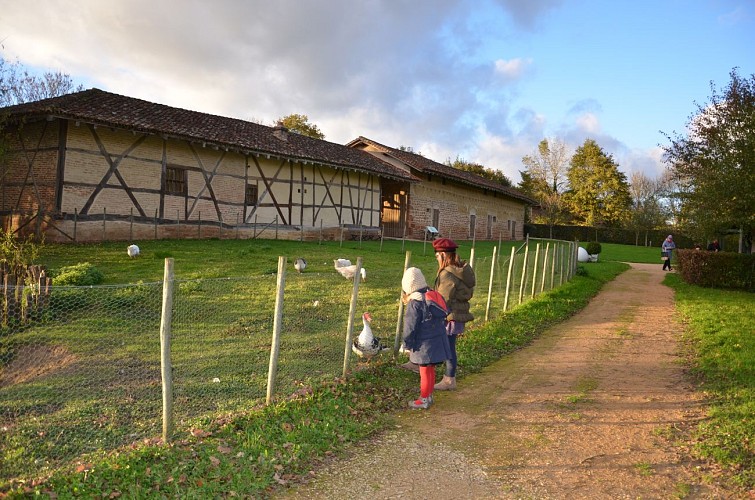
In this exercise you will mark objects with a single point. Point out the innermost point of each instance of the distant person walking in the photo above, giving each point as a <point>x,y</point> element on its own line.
<point>713,246</point>
<point>667,249</point>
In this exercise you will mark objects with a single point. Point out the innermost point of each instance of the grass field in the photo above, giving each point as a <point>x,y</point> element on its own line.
<point>720,334</point>
<point>240,446</point>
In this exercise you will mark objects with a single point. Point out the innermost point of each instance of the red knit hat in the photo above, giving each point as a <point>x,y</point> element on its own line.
<point>445,245</point>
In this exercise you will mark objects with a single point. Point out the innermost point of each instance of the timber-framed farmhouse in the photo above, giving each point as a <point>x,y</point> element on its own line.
<point>93,166</point>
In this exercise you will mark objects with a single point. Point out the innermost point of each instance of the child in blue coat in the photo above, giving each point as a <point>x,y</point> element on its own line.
<point>424,331</point>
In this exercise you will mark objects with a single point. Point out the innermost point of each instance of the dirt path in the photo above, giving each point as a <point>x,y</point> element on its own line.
<point>583,412</point>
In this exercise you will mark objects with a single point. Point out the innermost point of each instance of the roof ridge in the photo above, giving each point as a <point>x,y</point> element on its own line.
<point>100,107</point>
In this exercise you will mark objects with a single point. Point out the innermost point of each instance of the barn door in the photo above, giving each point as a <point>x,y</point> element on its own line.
<point>394,201</point>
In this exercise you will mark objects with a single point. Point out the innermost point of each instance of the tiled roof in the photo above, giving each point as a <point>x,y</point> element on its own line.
<point>106,109</point>
<point>427,166</point>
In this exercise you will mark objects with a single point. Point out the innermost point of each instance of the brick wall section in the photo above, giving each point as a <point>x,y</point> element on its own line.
<point>456,203</point>
<point>23,187</point>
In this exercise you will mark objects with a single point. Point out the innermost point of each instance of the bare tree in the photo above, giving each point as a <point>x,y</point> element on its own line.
<point>17,85</point>
<point>648,210</point>
<point>549,163</point>
<point>545,174</point>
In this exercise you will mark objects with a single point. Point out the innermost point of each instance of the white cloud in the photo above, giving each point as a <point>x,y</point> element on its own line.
<point>512,69</point>
<point>404,72</point>
<point>588,123</point>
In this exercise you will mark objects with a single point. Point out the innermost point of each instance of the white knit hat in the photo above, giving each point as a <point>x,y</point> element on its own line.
<point>413,280</point>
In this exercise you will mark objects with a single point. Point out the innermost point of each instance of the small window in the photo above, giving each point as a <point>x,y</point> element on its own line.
<point>175,181</point>
<point>251,194</point>
<point>436,217</point>
<point>472,225</point>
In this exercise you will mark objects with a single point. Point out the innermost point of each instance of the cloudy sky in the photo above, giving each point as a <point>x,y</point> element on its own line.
<point>484,80</point>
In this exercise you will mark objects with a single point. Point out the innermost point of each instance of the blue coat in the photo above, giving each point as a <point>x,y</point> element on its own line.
<point>425,332</point>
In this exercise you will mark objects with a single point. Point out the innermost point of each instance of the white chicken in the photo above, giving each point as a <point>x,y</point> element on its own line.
<point>366,345</point>
<point>133,251</point>
<point>300,264</point>
<point>346,269</point>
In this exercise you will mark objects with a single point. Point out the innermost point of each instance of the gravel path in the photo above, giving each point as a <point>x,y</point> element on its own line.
<point>585,411</point>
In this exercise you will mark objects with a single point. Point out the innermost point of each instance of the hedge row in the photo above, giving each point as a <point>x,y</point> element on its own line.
<point>605,235</point>
<point>717,269</point>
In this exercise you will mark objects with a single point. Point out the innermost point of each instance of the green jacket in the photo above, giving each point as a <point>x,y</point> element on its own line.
<point>456,285</point>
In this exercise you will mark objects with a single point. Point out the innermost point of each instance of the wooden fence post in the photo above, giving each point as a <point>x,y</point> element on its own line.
<point>553,264</point>
<point>397,340</point>
<point>490,285</point>
<point>352,311</point>
<point>524,271</point>
<point>272,370</point>
<point>508,280</point>
<point>165,362</point>
<point>545,266</point>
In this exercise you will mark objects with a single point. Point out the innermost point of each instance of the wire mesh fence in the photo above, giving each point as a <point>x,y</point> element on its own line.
<point>82,375</point>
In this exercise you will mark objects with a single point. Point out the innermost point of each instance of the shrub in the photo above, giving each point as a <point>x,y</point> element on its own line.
<point>82,274</point>
<point>16,255</point>
<point>717,269</point>
<point>594,248</point>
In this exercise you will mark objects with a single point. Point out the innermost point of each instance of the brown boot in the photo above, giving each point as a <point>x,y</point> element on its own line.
<point>447,384</point>
<point>410,366</point>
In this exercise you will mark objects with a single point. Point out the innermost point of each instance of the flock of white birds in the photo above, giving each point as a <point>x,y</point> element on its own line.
<point>344,266</point>
<point>366,345</point>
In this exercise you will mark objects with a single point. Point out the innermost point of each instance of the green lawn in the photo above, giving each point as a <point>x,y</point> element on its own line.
<point>720,335</point>
<point>226,441</point>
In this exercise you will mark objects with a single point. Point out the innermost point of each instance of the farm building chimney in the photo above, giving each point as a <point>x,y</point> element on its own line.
<point>281,132</point>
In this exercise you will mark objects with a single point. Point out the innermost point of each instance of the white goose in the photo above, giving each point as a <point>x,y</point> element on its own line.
<point>366,345</point>
<point>346,269</point>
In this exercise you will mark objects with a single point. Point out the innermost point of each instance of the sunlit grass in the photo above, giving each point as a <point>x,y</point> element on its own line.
<point>721,338</point>
<point>219,323</point>
<point>232,444</point>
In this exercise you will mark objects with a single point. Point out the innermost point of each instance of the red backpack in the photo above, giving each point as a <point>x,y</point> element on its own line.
<point>435,298</point>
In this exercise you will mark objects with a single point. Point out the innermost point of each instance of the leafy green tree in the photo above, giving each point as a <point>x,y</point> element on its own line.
<point>482,171</point>
<point>714,164</point>
<point>599,192</point>
<point>544,179</point>
<point>530,185</point>
<point>300,124</point>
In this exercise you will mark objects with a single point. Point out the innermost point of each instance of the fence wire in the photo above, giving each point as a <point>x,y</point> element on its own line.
<point>80,372</point>
<point>79,376</point>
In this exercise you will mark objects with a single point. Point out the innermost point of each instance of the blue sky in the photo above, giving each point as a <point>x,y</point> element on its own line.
<point>485,80</point>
